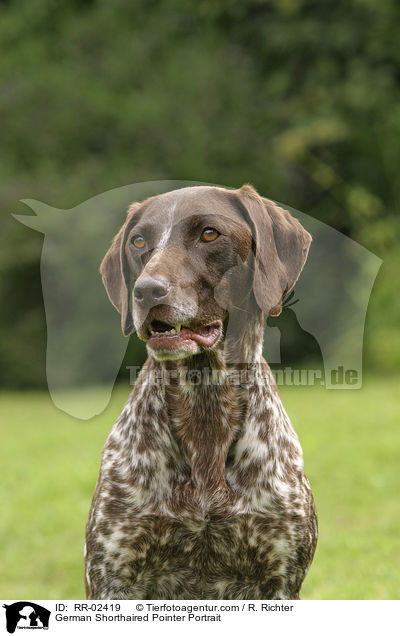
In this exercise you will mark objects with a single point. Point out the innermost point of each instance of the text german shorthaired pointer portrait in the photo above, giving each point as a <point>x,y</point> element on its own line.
<point>201,492</point>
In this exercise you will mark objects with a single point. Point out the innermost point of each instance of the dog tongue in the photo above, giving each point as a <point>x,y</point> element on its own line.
<point>204,336</point>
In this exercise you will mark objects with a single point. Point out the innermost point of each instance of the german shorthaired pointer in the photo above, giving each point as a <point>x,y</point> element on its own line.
<point>201,492</point>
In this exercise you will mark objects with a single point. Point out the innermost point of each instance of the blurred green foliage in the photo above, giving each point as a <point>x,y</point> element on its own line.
<point>298,97</point>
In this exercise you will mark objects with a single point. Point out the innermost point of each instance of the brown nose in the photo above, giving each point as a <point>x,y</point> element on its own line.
<point>149,290</point>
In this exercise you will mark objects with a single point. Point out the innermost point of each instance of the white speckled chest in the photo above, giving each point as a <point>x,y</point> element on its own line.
<point>160,528</point>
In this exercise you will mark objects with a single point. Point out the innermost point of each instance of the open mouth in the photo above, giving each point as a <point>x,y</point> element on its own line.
<point>162,335</point>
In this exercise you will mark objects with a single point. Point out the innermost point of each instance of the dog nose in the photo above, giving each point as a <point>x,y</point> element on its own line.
<point>149,290</point>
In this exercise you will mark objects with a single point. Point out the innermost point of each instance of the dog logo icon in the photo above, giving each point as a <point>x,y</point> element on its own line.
<point>26,615</point>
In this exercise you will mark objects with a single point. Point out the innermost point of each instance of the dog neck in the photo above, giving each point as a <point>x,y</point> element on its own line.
<point>244,338</point>
<point>206,397</point>
<point>204,434</point>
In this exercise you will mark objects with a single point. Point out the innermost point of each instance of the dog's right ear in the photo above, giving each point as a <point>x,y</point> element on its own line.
<point>116,273</point>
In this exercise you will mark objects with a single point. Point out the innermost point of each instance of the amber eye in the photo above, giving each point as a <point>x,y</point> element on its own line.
<point>139,242</point>
<point>209,234</point>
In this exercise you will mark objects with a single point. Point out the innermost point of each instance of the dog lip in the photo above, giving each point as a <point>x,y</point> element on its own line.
<point>205,335</point>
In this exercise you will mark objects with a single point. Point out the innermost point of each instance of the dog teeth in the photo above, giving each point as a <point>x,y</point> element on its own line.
<point>171,332</point>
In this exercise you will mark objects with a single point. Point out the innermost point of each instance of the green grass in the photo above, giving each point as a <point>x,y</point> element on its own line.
<point>351,445</point>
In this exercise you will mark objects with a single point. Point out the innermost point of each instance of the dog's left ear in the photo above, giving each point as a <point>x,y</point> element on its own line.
<point>280,246</point>
<point>116,273</point>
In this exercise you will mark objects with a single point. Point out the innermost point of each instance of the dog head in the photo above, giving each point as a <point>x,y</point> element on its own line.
<point>185,259</point>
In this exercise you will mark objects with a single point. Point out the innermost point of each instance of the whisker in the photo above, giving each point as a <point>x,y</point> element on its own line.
<point>240,309</point>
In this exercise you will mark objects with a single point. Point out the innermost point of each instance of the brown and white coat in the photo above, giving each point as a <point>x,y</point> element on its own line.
<point>201,492</point>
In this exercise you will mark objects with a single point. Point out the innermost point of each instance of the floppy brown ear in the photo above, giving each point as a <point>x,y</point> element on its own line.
<point>116,273</point>
<point>281,246</point>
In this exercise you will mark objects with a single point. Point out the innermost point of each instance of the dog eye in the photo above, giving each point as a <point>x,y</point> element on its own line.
<point>139,242</point>
<point>209,234</point>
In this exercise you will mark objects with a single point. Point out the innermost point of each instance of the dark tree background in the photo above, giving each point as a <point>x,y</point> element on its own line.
<point>299,97</point>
